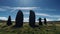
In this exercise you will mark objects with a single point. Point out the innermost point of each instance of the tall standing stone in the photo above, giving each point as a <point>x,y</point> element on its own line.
<point>19,19</point>
<point>9,21</point>
<point>32,19</point>
<point>45,21</point>
<point>40,22</point>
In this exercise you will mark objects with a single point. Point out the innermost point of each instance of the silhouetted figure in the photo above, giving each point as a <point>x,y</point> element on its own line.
<point>9,21</point>
<point>19,19</point>
<point>45,21</point>
<point>32,19</point>
<point>40,22</point>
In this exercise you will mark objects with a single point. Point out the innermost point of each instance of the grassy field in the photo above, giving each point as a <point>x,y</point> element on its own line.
<point>26,29</point>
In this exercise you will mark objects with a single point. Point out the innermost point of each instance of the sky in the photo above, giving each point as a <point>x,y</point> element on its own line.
<point>49,9</point>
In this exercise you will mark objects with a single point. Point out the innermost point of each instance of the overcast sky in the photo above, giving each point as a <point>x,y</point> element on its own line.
<point>49,9</point>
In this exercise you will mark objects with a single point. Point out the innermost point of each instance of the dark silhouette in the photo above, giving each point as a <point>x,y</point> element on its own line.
<point>45,21</point>
<point>19,19</point>
<point>32,19</point>
<point>40,22</point>
<point>9,21</point>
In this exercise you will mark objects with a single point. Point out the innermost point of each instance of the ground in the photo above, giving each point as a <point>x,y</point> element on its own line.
<point>26,29</point>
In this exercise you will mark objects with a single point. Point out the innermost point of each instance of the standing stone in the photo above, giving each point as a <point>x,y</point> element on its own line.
<point>9,21</point>
<point>32,19</point>
<point>19,19</point>
<point>45,21</point>
<point>40,22</point>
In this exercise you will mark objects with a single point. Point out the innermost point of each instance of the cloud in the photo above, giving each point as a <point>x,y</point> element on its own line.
<point>1,9</point>
<point>50,9</point>
<point>9,7</point>
<point>31,8</point>
<point>26,12</point>
<point>3,18</point>
<point>22,8</point>
<point>19,8</point>
<point>47,15</point>
<point>27,8</point>
<point>58,19</point>
<point>42,14</point>
<point>26,19</point>
<point>49,19</point>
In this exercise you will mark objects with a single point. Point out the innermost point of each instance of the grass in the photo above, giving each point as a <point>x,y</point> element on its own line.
<point>26,29</point>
